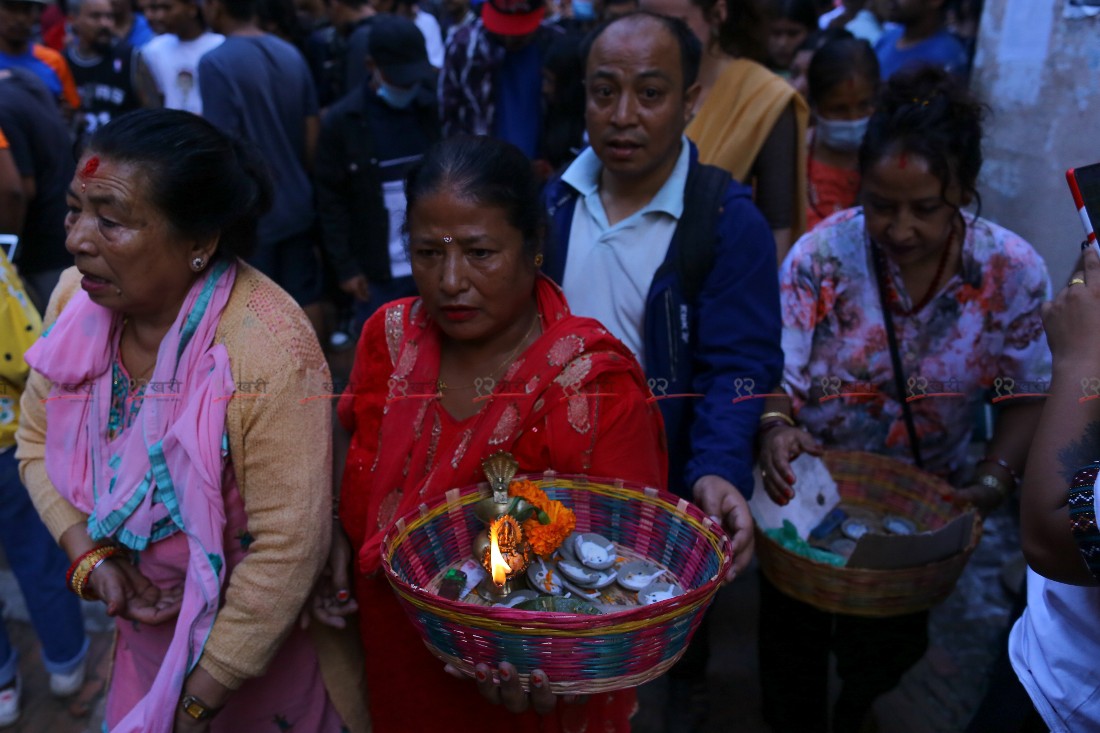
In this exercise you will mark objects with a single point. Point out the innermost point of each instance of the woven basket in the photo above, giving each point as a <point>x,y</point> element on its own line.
<point>580,654</point>
<point>886,486</point>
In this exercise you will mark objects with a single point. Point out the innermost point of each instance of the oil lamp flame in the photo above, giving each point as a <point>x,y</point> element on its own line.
<point>498,565</point>
<point>505,554</point>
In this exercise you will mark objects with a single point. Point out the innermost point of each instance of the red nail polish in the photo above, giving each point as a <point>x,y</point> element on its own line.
<point>505,675</point>
<point>343,596</point>
<point>537,681</point>
<point>481,676</point>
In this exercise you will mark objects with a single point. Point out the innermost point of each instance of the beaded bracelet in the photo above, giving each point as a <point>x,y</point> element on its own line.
<point>1082,516</point>
<point>81,569</point>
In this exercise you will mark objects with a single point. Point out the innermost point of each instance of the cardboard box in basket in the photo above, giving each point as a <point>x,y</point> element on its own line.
<point>815,496</point>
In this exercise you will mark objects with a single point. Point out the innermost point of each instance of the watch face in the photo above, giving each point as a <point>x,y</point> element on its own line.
<point>194,708</point>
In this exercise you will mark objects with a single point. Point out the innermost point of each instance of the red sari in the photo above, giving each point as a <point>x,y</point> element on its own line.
<point>574,401</point>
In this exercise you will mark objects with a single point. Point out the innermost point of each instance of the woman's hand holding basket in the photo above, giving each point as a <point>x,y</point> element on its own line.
<point>779,446</point>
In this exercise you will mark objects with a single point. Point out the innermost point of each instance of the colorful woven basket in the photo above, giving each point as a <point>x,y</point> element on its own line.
<point>886,486</point>
<point>580,654</point>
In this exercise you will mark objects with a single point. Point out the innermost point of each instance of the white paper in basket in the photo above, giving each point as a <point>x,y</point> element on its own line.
<point>815,493</point>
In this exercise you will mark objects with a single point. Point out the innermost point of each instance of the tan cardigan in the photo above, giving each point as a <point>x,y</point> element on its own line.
<point>281,448</point>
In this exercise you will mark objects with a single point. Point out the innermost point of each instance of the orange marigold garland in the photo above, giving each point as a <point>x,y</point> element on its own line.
<point>549,524</point>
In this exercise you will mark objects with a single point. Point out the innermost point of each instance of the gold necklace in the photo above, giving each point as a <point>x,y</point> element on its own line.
<point>442,386</point>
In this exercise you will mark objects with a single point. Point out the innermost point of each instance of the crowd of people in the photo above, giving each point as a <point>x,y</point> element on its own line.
<point>573,231</point>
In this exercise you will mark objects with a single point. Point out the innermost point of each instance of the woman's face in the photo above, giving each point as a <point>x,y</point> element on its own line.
<point>906,210</point>
<point>800,65</point>
<point>132,260</point>
<point>784,38</point>
<point>687,11</point>
<point>851,99</point>
<point>469,265</point>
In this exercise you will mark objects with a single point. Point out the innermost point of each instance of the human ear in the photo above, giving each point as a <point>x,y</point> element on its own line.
<point>690,97</point>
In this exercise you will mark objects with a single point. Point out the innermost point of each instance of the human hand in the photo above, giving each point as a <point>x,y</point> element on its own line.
<point>356,287</point>
<point>722,501</point>
<point>983,498</point>
<point>212,694</point>
<point>1073,317</point>
<point>505,689</point>
<point>779,446</point>
<point>331,601</point>
<point>130,595</point>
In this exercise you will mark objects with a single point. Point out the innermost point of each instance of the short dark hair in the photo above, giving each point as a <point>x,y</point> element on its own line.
<point>839,59</point>
<point>488,171</point>
<point>691,51</point>
<point>241,9</point>
<point>744,31</point>
<point>204,183</point>
<point>803,12</point>
<point>927,112</point>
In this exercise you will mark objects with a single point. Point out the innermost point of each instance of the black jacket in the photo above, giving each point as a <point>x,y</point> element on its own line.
<point>354,220</point>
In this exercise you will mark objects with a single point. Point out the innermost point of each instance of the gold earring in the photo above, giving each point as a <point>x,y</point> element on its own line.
<point>538,260</point>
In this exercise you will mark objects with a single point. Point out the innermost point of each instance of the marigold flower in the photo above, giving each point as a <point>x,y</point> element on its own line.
<point>544,538</point>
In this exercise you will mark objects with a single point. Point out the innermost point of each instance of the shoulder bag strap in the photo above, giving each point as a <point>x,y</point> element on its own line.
<point>895,357</point>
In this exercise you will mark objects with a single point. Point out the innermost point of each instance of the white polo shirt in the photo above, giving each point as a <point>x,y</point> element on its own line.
<point>609,269</point>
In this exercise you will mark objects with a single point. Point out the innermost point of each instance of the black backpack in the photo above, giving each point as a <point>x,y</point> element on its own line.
<point>696,232</point>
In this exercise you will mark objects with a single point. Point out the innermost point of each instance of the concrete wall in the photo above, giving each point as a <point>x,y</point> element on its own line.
<point>1040,73</point>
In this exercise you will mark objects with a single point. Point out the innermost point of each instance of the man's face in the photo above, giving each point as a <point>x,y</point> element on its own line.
<point>456,9</point>
<point>170,16</point>
<point>212,14</point>
<point>636,106</point>
<point>94,24</point>
<point>512,43</point>
<point>17,21</point>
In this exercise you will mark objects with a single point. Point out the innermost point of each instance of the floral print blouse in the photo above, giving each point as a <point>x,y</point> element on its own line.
<point>979,338</point>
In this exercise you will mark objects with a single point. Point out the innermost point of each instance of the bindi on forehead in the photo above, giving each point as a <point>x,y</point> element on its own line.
<point>88,171</point>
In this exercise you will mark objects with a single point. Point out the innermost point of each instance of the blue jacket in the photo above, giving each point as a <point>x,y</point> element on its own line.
<point>723,344</point>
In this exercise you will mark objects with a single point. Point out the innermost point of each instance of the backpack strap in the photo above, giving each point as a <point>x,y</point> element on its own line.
<point>696,232</point>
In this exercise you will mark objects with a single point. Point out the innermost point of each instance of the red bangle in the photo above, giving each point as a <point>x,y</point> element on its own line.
<point>76,564</point>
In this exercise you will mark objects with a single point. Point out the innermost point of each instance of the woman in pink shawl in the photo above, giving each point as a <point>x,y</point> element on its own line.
<point>161,440</point>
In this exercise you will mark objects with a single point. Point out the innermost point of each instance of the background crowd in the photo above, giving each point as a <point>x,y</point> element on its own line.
<point>360,153</point>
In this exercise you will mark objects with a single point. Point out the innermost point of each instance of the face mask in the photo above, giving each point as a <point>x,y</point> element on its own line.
<point>844,136</point>
<point>583,10</point>
<point>397,97</point>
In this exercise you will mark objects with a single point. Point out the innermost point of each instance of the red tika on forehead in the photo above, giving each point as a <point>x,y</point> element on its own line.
<point>903,160</point>
<point>90,167</point>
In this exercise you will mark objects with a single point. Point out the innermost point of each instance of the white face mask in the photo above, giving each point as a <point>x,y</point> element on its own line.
<point>397,97</point>
<point>844,136</point>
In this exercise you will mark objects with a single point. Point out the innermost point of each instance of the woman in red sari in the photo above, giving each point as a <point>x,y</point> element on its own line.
<point>487,359</point>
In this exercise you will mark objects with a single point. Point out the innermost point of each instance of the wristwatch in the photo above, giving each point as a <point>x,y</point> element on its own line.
<point>196,708</point>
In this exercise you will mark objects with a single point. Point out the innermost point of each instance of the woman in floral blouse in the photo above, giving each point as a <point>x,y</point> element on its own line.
<point>899,319</point>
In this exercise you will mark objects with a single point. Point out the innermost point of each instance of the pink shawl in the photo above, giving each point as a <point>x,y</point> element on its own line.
<point>161,475</point>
